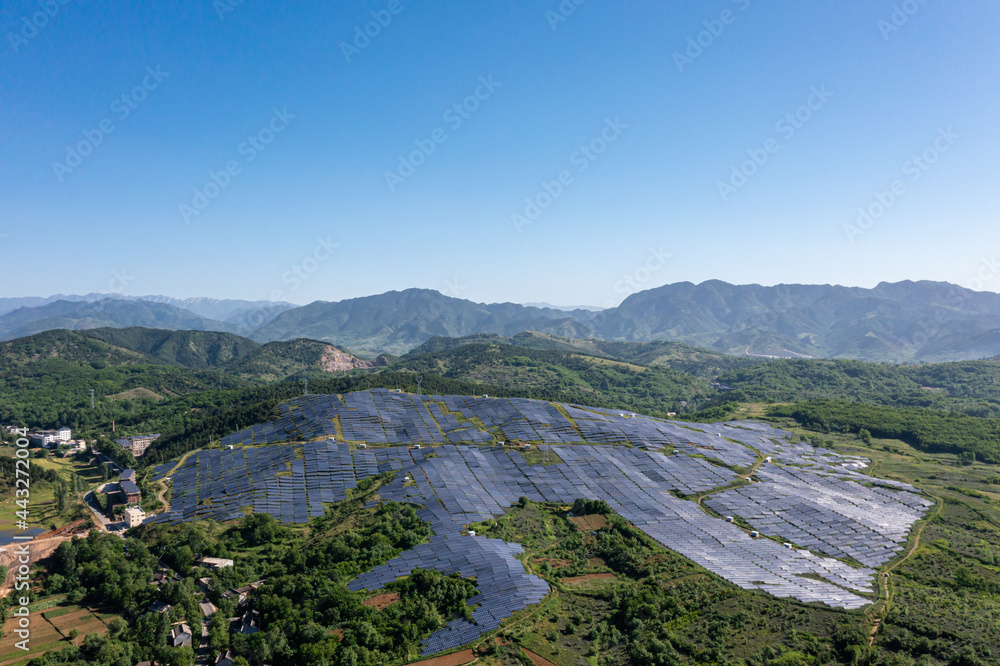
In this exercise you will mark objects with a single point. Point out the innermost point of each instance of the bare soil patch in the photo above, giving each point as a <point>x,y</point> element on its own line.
<point>136,393</point>
<point>589,523</point>
<point>335,360</point>
<point>380,601</point>
<point>39,549</point>
<point>576,580</point>
<point>453,659</point>
<point>537,659</point>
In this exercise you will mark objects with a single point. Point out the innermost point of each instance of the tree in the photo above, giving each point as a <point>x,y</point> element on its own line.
<point>218,632</point>
<point>261,528</point>
<point>865,436</point>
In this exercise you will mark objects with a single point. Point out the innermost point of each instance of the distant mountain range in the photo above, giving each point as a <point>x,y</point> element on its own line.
<point>899,322</point>
<point>232,311</point>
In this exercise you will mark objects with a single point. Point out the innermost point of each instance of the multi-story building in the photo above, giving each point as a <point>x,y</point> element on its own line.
<point>127,484</point>
<point>134,516</point>
<point>136,445</point>
<point>50,438</point>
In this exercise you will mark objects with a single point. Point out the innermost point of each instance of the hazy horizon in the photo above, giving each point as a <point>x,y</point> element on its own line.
<point>539,304</point>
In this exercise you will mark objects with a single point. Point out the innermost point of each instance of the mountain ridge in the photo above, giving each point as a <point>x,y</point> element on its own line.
<point>907,321</point>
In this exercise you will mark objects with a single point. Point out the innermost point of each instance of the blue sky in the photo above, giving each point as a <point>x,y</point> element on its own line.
<point>265,150</point>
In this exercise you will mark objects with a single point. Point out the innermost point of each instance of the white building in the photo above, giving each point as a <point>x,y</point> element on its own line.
<point>137,445</point>
<point>46,438</point>
<point>50,438</point>
<point>215,562</point>
<point>75,446</point>
<point>134,516</point>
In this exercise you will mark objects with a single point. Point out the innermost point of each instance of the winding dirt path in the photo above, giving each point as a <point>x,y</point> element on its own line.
<point>162,495</point>
<point>884,589</point>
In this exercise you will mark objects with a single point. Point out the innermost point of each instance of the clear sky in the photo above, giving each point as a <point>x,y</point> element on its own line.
<point>252,149</point>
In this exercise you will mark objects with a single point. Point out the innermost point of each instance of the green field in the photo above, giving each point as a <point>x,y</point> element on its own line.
<point>43,509</point>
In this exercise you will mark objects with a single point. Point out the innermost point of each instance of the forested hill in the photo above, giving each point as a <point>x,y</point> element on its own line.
<point>108,347</point>
<point>534,359</point>
<point>972,387</point>
<point>191,349</point>
<point>46,379</point>
<point>676,355</point>
<point>652,389</point>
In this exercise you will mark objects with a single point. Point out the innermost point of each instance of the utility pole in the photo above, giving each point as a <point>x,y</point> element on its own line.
<point>92,399</point>
<point>420,380</point>
<point>305,385</point>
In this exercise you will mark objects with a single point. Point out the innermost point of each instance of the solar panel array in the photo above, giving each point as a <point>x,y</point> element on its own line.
<point>824,513</point>
<point>306,417</point>
<point>228,484</point>
<point>161,472</point>
<point>504,587</point>
<point>818,500</point>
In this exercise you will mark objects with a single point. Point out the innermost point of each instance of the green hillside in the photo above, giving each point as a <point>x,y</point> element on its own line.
<point>68,346</point>
<point>652,389</point>
<point>279,360</point>
<point>191,349</point>
<point>972,387</point>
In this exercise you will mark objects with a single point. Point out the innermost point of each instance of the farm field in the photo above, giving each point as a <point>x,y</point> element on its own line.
<point>50,630</point>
